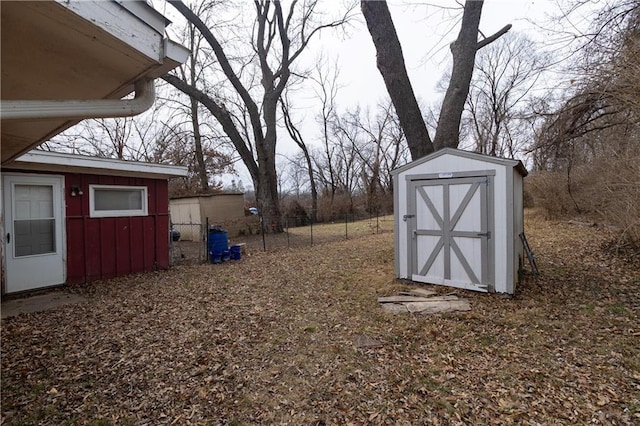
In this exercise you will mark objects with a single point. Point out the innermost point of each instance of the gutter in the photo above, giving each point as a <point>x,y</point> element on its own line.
<point>80,109</point>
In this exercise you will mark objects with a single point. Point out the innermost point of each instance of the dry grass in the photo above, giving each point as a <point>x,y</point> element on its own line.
<point>269,340</point>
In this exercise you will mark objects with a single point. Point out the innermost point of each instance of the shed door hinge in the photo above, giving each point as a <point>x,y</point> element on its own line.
<point>408,216</point>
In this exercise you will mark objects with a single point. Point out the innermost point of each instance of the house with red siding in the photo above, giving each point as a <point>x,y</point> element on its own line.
<point>76,219</point>
<point>69,219</point>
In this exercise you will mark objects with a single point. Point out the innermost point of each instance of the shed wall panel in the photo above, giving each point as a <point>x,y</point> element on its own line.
<point>185,213</point>
<point>100,248</point>
<point>75,248</point>
<point>136,247</point>
<point>91,253</point>
<point>110,247</point>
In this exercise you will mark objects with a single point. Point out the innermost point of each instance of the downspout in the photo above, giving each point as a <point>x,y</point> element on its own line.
<point>80,109</point>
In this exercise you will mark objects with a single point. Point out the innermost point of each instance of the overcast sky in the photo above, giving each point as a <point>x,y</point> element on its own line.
<point>425,32</point>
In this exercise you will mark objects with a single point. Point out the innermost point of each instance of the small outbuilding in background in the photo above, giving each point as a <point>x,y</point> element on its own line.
<point>458,220</point>
<point>189,214</point>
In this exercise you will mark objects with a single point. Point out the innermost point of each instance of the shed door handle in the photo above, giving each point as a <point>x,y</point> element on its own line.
<point>8,237</point>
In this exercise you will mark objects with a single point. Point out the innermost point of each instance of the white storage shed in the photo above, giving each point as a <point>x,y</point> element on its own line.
<point>458,220</point>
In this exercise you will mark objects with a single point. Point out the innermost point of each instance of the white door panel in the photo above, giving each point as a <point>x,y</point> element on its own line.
<point>34,240</point>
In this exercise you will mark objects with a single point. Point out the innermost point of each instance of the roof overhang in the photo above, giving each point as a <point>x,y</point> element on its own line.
<point>76,50</point>
<point>45,161</point>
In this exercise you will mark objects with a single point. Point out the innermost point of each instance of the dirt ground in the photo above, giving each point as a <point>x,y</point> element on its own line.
<point>270,340</point>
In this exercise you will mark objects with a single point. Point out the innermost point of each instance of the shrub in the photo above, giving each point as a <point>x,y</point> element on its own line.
<point>606,190</point>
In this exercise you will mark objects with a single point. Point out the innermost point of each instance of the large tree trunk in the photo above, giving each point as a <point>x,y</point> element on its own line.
<point>464,56</point>
<point>195,119</point>
<point>267,194</point>
<point>390,62</point>
<point>391,65</point>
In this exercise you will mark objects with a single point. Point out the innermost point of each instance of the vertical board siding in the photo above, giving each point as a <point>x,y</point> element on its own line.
<point>108,246</point>
<point>136,248</point>
<point>123,244</point>
<point>75,249</point>
<point>148,242</point>
<point>161,198</point>
<point>101,248</point>
<point>91,253</point>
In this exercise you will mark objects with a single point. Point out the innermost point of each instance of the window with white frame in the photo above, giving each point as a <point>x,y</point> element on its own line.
<point>115,200</point>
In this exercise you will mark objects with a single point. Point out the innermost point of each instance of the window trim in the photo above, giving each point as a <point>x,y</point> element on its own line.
<point>144,211</point>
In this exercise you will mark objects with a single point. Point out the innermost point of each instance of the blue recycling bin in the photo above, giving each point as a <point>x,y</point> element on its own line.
<point>218,244</point>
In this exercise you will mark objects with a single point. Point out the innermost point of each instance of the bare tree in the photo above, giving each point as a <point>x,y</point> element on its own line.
<point>497,116</point>
<point>379,148</point>
<point>604,99</point>
<point>278,39</point>
<point>126,138</point>
<point>390,62</point>
<point>363,147</point>
<point>591,139</point>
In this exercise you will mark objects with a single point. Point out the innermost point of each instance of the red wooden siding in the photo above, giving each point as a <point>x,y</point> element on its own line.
<point>100,248</point>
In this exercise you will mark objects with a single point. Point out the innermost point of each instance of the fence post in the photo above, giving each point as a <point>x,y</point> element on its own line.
<point>311,226</point>
<point>286,225</point>
<point>206,239</point>
<point>346,226</point>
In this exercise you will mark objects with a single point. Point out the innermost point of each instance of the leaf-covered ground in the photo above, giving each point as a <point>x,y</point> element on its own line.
<point>270,340</point>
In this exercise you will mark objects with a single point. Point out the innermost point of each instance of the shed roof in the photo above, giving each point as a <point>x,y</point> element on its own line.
<point>72,163</point>
<point>213,194</point>
<point>517,164</point>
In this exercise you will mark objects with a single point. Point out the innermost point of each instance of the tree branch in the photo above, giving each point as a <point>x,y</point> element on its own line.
<point>494,37</point>
<point>252,108</point>
<point>223,117</point>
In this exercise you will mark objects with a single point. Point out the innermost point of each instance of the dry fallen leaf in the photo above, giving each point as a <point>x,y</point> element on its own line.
<point>270,340</point>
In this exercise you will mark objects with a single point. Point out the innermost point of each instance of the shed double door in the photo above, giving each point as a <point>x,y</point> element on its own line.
<point>450,235</point>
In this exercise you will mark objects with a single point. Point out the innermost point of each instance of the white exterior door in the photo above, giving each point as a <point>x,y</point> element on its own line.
<point>34,231</point>
<point>449,241</point>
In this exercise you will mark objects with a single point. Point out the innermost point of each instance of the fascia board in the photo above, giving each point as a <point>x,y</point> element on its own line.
<point>122,24</point>
<point>61,162</point>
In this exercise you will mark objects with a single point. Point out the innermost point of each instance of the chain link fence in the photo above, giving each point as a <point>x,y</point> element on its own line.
<point>302,232</point>
<point>188,243</point>
<point>189,240</point>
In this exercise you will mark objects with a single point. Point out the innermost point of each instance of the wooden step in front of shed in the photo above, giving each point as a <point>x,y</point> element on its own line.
<point>421,301</point>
